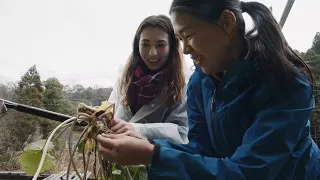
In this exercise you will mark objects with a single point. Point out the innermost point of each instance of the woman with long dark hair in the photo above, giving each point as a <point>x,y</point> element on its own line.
<point>150,98</point>
<point>249,101</point>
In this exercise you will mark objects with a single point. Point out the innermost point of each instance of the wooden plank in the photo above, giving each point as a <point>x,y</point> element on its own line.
<point>55,176</point>
<point>63,176</point>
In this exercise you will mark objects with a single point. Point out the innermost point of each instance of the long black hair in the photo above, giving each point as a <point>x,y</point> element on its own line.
<point>266,43</point>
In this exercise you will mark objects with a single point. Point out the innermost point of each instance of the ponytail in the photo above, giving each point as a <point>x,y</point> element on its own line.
<point>266,43</point>
<point>268,46</point>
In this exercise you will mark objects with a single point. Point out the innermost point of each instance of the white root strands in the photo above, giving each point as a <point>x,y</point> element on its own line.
<point>45,149</point>
<point>96,119</point>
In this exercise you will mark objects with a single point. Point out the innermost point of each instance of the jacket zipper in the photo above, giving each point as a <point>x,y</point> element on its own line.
<point>213,109</point>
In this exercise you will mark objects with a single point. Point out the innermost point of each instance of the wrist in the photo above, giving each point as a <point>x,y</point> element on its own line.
<point>136,128</point>
<point>149,154</point>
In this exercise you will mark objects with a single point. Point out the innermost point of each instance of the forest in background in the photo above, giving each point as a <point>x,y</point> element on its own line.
<point>18,129</point>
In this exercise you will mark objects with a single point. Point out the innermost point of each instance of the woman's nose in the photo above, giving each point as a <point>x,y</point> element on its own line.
<point>153,51</point>
<point>186,49</point>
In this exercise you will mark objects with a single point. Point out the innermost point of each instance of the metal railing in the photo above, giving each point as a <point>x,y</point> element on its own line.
<point>37,111</point>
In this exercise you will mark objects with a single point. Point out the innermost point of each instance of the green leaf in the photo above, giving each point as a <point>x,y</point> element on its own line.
<point>141,173</point>
<point>119,177</point>
<point>30,160</point>
<point>116,172</point>
<point>38,145</point>
<point>80,147</point>
<point>31,156</point>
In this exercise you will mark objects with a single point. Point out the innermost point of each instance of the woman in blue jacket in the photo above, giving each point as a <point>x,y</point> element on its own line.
<point>249,102</point>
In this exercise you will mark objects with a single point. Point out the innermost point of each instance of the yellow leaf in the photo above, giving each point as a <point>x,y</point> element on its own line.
<point>109,115</point>
<point>90,145</point>
<point>107,107</point>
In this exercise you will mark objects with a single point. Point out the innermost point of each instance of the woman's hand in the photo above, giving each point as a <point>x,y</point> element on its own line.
<point>119,126</point>
<point>125,150</point>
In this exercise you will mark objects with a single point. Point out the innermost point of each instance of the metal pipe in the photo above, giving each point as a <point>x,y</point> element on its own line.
<point>37,111</point>
<point>286,12</point>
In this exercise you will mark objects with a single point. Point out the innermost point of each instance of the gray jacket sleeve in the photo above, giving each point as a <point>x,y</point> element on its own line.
<point>114,95</point>
<point>174,128</point>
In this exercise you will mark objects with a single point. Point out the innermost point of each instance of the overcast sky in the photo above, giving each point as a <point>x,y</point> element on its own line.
<point>85,41</point>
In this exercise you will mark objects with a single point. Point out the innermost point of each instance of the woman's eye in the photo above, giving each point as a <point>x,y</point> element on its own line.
<point>144,44</point>
<point>189,36</point>
<point>179,38</point>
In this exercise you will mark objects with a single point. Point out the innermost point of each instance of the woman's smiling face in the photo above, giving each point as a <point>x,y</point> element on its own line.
<point>154,47</point>
<point>207,43</point>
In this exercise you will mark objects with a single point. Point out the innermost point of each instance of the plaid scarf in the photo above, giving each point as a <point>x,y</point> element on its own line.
<point>147,85</point>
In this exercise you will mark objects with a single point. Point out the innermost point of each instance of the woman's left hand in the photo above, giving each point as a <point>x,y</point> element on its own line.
<point>125,150</point>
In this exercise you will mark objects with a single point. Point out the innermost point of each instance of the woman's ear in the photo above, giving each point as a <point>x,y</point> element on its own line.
<point>228,21</point>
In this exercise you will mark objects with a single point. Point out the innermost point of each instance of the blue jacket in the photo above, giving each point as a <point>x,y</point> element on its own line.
<point>252,128</point>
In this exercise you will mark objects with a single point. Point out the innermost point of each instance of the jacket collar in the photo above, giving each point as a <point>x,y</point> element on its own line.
<point>145,110</point>
<point>238,69</point>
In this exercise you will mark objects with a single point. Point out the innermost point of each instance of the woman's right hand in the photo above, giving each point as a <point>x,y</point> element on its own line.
<point>119,126</point>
